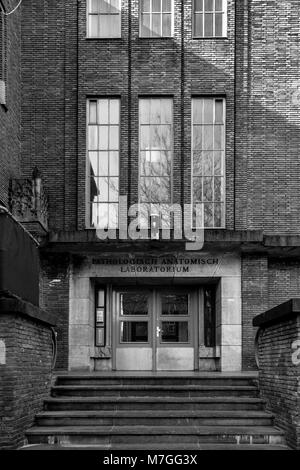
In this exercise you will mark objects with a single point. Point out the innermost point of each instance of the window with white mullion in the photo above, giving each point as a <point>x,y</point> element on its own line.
<point>103,154</point>
<point>104,18</point>
<point>208,155</point>
<point>210,18</point>
<point>156,18</point>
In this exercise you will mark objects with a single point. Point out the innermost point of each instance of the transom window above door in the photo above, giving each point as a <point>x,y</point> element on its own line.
<point>104,19</point>
<point>156,18</point>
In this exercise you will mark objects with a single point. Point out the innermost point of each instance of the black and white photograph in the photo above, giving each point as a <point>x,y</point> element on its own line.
<point>149,230</point>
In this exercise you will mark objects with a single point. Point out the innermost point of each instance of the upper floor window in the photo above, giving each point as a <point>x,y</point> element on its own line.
<point>156,18</point>
<point>208,160</point>
<point>156,152</point>
<point>103,162</point>
<point>104,18</point>
<point>209,18</point>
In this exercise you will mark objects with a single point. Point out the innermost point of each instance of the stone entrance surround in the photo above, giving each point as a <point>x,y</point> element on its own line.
<point>223,267</point>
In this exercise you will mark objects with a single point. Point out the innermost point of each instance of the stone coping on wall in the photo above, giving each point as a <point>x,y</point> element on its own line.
<point>10,306</point>
<point>281,313</point>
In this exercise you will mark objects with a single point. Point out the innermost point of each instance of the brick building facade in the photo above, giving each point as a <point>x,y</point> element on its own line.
<point>250,259</point>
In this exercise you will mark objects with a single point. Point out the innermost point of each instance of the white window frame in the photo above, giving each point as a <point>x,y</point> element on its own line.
<point>223,172</point>
<point>88,177</point>
<point>224,23</point>
<point>99,36</point>
<point>151,19</point>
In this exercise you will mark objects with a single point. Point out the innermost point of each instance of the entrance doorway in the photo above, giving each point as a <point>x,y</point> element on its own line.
<point>156,329</point>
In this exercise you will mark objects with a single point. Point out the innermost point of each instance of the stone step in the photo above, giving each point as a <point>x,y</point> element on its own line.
<point>201,379</point>
<point>156,403</point>
<point>154,418</point>
<point>154,390</point>
<point>162,447</point>
<point>153,435</point>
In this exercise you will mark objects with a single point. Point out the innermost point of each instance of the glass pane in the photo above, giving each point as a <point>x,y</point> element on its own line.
<point>114,138</point>
<point>103,163</point>
<point>103,216</point>
<point>208,132</point>
<point>114,112</point>
<point>93,190</point>
<point>165,159</point>
<point>102,189</point>
<point>145,190</point>
<point>93,26</point>
<point>100,316</point>
<point>133,303</point>
<point>93,156</point>
<point>166,112</point>
<point>175,332</point>
<point>113,189</point>
<point>93,137</point>
<point>218,159</point>
<point>209,318</point>
<point>197,111</point>
<point>161,137</point>
<point>197,137</point>
<point>197,189</point>
<point>219,5</point>
<point>93,112</point>
<point>219,144</point>
<point>113,216</point>
<point>146,6</point>
<point>208,25</point>
<point>146,163</point>
<point>197,163</point>
<point>103,137</point>
<point>198,215</point>
<point>167,5</point>
<point>219,112</point>
<point>175,304</point>
<point>155,110</point>
<point>145,26</point>
<point>219,24</point>
<point>100,336</point>
<point>208,215</point>
<point>208,111</point>
<point>134,332</point>
<point>114,163</point>
<point>198,25</point>
<point>94,6</point>
<point>207,189</point>
<point>166,24</point>
<point>161,190</point>
<point>144,111</point>
<point>103,111</point>
<point>115,6</point>
<point>145,137</point>
<point>156,5</point>
<point>105,27</point>
<point>218,189</point>
<point>198,5</point>
<point>156,24</point>
<point>209,5</point>
<point>219,215</point>
<point>115,23</point>
<point>104,6</point>
<point>208,163</point>
<point>101,298</point>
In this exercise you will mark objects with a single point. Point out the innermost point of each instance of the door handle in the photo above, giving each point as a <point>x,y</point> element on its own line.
<point>158,330</point>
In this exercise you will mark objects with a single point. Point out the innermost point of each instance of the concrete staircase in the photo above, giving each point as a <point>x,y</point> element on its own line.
<point>132,411</point>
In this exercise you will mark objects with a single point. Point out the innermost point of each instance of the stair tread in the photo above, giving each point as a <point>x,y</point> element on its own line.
<point>162,446</point>
<point>153,387</point>
<point>154,399</point>
<point>155,430</point>
<point>154,413</point>
<point>158,375</point>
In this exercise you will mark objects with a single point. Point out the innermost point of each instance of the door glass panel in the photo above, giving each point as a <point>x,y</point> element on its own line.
<point>133,303</point>
<point>134,332</point>
<point>175,304</point>
<point>175,332</point>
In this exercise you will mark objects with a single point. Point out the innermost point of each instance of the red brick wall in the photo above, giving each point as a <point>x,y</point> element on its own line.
<point>10,115</point>
<point>279,377</point>
<point>25,378</point>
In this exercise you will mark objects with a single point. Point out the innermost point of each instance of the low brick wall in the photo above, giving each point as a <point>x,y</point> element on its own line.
<point>279,366</point>
<point>25,368</point>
